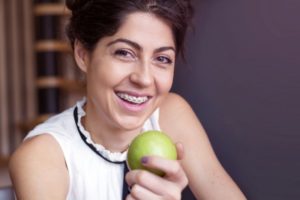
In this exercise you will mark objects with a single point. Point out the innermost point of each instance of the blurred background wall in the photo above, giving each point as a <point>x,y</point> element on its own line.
<point>241,77</point>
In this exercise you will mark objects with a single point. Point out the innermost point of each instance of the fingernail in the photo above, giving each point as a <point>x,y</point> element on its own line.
<point>144,160</point>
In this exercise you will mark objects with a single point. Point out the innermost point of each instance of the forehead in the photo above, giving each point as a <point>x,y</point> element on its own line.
<point>145,29</point>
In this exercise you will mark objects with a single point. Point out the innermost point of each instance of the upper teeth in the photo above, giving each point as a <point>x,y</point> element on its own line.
<point>133,99</point>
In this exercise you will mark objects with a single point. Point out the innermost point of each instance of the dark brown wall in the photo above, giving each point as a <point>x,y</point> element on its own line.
<point>242,77</point>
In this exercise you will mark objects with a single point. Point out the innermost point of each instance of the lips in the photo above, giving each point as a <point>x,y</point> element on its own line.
<point>133,99</point>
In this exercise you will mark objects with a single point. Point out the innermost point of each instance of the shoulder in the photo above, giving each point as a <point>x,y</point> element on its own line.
<point>176,115</point>
<point>172,106</point>
<point>37,161</point>
<point>37,146</point>
<point>174,99</point>
<point>37,152</point>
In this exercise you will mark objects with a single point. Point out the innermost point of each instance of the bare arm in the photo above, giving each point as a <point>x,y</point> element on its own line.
<point>38,170</point>
<point>207,178</point>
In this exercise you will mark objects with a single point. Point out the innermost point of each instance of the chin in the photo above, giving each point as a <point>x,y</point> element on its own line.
<point>131,124</point>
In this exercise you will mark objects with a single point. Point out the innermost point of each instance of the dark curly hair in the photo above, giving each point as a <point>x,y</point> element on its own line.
<point>92,20</point>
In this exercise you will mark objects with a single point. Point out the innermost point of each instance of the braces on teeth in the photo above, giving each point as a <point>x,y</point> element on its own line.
<point>133,99</point>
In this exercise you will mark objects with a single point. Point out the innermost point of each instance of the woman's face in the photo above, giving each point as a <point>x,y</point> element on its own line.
<point>130,73</point>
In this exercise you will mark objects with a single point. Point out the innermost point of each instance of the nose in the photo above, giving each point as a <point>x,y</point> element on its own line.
<point>142,75</point>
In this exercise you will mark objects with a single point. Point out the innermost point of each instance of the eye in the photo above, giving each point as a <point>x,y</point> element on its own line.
<point>164,60</point>
<point>124,54</point>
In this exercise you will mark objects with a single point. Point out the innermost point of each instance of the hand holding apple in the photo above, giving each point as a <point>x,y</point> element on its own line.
<point>163,177</point>
<point>150,143</point>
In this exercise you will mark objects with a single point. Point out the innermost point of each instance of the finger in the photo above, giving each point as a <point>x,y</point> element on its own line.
<point>180,151</point>
<point>130,197</point>
<point>141,177</point>
<point>172,168</point>
<point>141,193</point>
<point>150,181</point>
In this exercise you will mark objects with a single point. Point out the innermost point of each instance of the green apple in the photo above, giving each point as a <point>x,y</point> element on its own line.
<point>150,143</point>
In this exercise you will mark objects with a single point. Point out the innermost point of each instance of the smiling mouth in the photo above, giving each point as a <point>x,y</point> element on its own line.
<point>133,99</point>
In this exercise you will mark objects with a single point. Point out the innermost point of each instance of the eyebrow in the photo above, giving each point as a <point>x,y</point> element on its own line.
<point>138,47</point>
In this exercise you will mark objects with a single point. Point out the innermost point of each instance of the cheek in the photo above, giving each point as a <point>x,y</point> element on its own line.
<point>164,83</point>
<point>108,73</point>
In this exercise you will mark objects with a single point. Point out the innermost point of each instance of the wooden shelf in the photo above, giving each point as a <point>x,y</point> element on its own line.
<point>52,81</point>
<point>50,9</point>
<point>52,45</point>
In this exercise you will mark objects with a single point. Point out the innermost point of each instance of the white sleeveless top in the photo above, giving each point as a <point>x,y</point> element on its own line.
<point>94,174</point>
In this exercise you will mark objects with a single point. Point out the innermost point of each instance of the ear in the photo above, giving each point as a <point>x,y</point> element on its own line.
<point>81,55</point>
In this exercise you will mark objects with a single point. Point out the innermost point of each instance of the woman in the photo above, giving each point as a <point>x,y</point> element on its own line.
<point>127,49</point>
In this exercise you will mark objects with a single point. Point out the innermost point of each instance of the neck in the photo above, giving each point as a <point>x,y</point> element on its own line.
<point>111,138</point>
